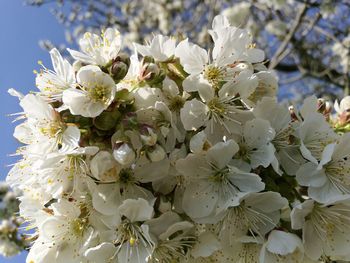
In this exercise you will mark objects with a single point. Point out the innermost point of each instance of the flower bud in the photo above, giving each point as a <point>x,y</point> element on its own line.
<point>124,154</point>
<point>107,120</point>
<point>148,137</point>
<point>156,154</point>
<point>151,73</point>
<point>119,67</point>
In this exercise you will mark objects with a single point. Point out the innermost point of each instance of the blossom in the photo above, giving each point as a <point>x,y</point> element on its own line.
<point>343,106</point>
<point>95,93</point>
<point>325,227</point>
<point>213,183</point>
<point>161,48</point>
<point>176,154</point>
<point>172,239</point>
<point>256,148</point>
<point>53,83</point>
<point>62,234</point>
<point>252,216</point>
<point>328,179</point>
<point>98,50</point>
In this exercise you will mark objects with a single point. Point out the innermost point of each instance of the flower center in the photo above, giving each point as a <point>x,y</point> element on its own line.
<point>216,107</point>
<point>176,103</point>
<point>214,75</point>
<point>126,176</point>
<point>100,94</point>
<point>220,175</point>
<point>52,129</point>
<point>78,226</point>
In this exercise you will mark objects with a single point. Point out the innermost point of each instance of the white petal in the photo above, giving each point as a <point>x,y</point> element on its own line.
<point>103,252</point>
<point>312,243</point>
<point>192,57</point>
<point>206,246</point>
<point>299,213</point>
<point>193,114</point>
<point>221,153</point>
<point>136,210</point>
<point>199,199</point>
<point>309,175</point>
<point>256,139</point>
<point>282,243</point>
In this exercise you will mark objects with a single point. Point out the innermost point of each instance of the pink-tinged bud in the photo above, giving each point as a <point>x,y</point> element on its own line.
<point>324,107</point>
<point>150,72</point>
<point>292,113</point>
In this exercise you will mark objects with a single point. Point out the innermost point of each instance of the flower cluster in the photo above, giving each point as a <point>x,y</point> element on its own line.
<point>11,242</point>
<point>177,154</point>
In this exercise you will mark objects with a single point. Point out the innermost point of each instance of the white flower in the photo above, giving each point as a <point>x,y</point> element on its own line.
<point>135,243</point>
<point>63,233</point>
<point>65,170</point>
<point>232,42</point>
<point>314,133</point>
<point>238,13</point>
<point>172,237</point>
<point>98,50</point>
<point>161,48</point>
<point>330,178</point>
<point>42,122</point>
<point>256,215</point>
<point>216,112</point>
<point>131,80</point>
<point>52,83</point>
<point>256,147</point>
<point>326,228</point>
<point>106,198</point>
<point>343,106</point>
<point>95,93</point>
<point>205,74</point>
<point>104,167</point>
<point>287,151</point>
<point>214,184</point>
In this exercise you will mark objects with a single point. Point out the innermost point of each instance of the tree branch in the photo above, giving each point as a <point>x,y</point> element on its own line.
<point>276,57</point>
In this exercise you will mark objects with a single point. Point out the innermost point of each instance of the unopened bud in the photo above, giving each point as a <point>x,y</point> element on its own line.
<point>124,154</point>
<point>119,68</point>
<point>151,73</point>
<point>156,154</point>
<point>107,120</point>
<point>148,137</point>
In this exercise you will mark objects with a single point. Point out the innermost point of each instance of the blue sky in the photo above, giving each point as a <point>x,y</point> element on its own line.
<point>21,28</point>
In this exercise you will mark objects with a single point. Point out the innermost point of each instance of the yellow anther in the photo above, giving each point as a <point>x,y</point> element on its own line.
<point>132,241</point>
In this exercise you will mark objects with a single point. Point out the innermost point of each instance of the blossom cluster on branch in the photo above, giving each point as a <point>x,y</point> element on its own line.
<point>306,40</point>
<point>178,154</point>
<point>11,241</point>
